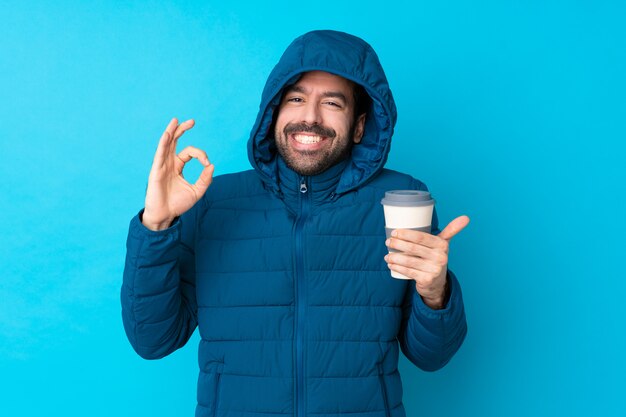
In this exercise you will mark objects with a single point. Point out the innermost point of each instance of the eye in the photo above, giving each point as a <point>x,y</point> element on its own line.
<point>295,99</point>
<point>333,104</point>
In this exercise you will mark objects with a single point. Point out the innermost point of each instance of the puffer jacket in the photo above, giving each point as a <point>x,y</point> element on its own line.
<point>284,275</point>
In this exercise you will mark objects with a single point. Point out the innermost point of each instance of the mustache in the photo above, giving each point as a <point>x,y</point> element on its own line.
<point>315,129</point>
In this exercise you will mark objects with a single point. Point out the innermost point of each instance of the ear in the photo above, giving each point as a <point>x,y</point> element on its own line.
<point>359,128</point>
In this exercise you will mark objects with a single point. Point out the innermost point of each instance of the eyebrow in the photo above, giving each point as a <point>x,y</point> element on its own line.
<point>332,94</point>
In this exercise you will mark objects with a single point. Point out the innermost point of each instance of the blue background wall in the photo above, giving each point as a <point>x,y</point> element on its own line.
<point>512,112</point>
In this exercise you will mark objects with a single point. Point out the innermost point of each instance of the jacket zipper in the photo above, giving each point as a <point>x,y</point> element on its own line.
<point>300,296</point>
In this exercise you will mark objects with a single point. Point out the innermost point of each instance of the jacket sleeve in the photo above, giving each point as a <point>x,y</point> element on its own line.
<point>158,294</point>
<point>429,338</point>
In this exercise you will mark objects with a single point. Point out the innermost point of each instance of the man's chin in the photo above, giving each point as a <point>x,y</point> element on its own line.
<point>309,162</point>
<point>303,164</point>
<point>306,170</point>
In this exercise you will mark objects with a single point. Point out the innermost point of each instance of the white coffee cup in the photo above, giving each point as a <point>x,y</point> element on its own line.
<point>407,209</point>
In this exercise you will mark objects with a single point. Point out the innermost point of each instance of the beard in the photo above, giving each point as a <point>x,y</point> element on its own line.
<point>310,163</point>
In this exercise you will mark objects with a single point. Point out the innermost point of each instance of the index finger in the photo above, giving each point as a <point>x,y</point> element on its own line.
<point>419,237</point>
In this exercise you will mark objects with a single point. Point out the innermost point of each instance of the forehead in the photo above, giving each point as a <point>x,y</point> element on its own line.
<point>325,81</point>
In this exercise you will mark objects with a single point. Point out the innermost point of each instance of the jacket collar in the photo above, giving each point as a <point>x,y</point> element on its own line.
<point>320,188</point>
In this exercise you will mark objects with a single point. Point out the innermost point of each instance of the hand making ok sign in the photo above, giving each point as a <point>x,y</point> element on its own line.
<point>169,195</point>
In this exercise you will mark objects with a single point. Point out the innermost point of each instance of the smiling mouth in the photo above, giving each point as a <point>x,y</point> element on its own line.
<point>307,139</point>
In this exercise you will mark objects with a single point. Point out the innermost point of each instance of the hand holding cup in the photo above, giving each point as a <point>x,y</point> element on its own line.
<point>413,252</point>
<point>424,258</point>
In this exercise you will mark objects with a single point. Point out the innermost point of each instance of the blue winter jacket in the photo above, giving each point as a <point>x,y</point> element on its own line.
<point>284,275</point>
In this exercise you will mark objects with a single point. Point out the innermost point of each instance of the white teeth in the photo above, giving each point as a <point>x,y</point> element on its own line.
<point>306,139</point>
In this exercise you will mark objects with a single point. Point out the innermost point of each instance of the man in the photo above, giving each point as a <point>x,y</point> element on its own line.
<point>284,268</point>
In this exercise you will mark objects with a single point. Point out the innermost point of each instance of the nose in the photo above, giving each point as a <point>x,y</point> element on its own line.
<point>311,113</point>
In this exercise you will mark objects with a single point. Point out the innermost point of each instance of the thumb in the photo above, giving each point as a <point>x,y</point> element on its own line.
<point>206,177</point>
<point>454,227</point>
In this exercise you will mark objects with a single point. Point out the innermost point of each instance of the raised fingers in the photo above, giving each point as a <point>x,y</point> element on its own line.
<point>183,127</point>
<point>172,132</point>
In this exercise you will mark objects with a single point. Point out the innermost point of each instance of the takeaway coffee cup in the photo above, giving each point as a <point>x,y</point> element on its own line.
<point>407,209</point>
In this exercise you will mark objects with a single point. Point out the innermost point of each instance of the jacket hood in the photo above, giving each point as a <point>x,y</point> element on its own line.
<point>347,56</point>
